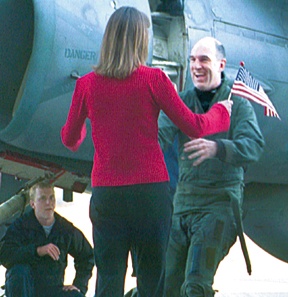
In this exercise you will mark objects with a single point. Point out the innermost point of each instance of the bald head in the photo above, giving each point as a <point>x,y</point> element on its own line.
<point>213,44</point>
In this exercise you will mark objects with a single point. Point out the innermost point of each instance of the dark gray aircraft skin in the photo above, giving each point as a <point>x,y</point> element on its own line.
<point>46,45</point>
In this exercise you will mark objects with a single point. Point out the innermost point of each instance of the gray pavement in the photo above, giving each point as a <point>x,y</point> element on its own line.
<point>257,294</point>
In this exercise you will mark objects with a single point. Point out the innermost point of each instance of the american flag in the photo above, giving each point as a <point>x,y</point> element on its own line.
<point>246,86</point>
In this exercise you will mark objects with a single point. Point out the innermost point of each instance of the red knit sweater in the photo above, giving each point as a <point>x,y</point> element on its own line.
<point>123,116</point>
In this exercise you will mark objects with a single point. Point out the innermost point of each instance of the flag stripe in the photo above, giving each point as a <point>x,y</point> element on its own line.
<point>262,99</point>
<point>247,87</point>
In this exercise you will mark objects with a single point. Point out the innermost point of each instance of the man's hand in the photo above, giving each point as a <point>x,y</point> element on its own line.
<point>50,249</point>
<point>201,149</point>
<point>70,288</point>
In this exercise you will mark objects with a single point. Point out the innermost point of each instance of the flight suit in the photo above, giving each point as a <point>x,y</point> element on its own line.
<point>203,224</point>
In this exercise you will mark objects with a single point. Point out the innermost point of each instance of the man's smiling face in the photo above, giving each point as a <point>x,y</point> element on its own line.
<point>205,66</point>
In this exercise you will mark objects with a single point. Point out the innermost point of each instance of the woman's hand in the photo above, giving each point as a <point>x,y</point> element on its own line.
<point>228,104</point>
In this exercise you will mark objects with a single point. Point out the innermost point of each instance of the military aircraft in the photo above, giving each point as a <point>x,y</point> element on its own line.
<point>46,45</point>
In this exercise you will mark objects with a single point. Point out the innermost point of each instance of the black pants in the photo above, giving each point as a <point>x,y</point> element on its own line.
<point>20,282</point>
<point>137,216</point>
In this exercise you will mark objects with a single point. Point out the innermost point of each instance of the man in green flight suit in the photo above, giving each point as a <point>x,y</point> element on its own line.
<point>211,175</point>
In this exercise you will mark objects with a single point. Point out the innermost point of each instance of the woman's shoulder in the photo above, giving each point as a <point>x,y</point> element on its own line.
<point>149,71</point>
<point>88,76</point>
<point>87,79</point>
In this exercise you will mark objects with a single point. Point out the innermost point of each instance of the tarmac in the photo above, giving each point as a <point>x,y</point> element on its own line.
<point>252,294</point>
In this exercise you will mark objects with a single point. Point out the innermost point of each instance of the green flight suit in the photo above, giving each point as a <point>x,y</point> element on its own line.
<point>203,225</point>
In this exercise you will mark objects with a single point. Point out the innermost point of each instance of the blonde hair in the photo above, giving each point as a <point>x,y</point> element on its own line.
<point>41,185</point>
<point>125,43</point>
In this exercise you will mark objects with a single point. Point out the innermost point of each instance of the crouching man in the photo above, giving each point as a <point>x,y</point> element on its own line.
<point>35,249</point>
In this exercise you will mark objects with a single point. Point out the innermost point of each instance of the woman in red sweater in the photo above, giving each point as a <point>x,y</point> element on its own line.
<point>130,203</point>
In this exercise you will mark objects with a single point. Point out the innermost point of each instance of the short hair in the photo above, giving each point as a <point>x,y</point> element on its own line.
<point>220,50</point>
<point>125,43</point>
<point>40,185</point>
<point>210,41</point>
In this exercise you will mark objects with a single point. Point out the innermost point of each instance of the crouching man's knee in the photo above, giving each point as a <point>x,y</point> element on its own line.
<point>19,281</point>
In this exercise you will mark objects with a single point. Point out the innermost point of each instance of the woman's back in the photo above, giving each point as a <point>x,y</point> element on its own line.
<point>123,117</point>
